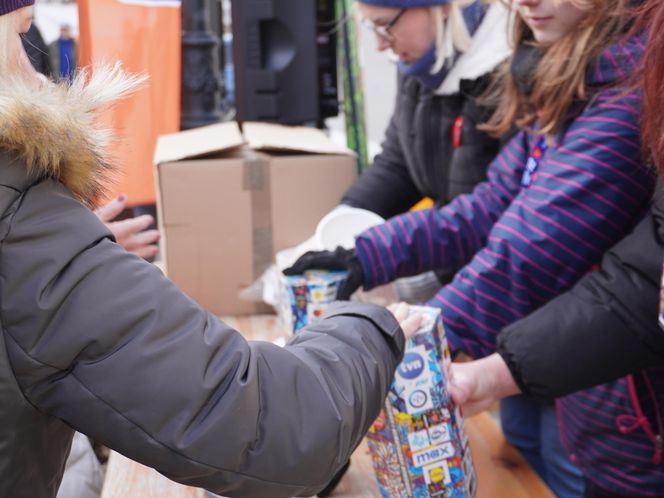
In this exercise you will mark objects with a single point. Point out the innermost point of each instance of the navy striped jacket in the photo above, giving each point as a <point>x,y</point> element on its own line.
<point>524,245</point>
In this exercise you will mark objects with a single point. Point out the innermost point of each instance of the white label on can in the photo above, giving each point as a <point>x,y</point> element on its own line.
<point>418,401</point>
<point>432,455</point>
<point>439,434</point>
<point>414,367</point>
<point>418,441</point>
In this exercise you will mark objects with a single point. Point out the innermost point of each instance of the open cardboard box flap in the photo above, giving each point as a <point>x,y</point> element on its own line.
<point>224,137</point>
<point>198,142</point>
<point>273,137</point>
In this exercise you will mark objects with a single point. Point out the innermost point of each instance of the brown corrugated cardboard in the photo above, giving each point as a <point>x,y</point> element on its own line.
<point>225,207</point>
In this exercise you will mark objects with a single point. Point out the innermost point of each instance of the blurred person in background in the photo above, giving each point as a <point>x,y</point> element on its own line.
<point>64,54</point>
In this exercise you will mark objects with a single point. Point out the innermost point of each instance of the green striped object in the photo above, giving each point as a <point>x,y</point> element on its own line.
<point>356,134</point>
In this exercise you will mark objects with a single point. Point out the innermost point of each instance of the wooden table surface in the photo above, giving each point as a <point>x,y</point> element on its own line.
<point>501,472</point>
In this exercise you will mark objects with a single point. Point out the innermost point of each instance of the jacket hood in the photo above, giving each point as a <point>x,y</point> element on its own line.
<point>618,62</point>
<point>54,129</point>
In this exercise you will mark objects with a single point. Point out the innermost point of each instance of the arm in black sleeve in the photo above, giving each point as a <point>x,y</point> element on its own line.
<point>386,188</point>
<point>604,328</point>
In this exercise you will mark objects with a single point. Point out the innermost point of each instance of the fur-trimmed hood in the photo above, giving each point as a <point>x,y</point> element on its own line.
<point>54,128</point>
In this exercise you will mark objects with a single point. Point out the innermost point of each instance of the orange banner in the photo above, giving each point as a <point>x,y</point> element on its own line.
<point>146,36</point>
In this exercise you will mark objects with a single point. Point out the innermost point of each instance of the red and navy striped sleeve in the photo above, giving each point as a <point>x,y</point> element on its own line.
<point>589,191</point>
<point>420,241</point>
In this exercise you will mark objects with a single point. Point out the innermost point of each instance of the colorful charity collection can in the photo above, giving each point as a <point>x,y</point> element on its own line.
<point>308,296</point>
<point>418,444</point>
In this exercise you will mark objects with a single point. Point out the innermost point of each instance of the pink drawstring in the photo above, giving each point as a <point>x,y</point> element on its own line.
<point>630,423</point>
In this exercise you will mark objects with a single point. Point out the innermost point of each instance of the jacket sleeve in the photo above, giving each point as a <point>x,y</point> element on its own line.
<point>604,328</point>
<point>100,339</point>
<point>386,188</point>
<point>444,238</point>
<point>588,193</point>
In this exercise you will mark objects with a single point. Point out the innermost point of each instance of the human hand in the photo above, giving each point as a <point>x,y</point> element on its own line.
<point>338,260</point>
<point>130,233</point>
<point>409,323</point>
<point>476,385</point>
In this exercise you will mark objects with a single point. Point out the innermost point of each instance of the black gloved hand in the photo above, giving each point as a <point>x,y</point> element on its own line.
<point>338,260</point>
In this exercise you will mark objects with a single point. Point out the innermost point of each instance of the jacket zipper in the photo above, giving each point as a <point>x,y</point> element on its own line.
<point>442,177</point>
<point>457,131</point>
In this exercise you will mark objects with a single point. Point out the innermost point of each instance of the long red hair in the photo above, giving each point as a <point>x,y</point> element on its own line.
<point>652,76</point>
<point>560,76</point>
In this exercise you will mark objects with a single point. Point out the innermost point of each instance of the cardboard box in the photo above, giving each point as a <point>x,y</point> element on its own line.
<point>228,200</point>
<point>418,444</point>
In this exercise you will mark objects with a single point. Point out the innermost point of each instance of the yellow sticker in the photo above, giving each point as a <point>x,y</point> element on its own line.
<point>437,475</point>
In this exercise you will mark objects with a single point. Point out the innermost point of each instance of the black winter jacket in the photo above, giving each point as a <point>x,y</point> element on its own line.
<point>432,148</point>
<point>604,328</point>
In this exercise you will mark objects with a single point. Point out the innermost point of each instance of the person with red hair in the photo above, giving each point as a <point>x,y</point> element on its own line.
<point>610,325</point>
<point>564,190</point>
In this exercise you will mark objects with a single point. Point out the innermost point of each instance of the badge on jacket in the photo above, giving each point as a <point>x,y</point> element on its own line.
<point>533,162</point>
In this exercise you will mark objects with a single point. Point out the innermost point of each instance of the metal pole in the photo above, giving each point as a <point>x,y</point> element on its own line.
<point>216,28</point>
<point>200,82</point>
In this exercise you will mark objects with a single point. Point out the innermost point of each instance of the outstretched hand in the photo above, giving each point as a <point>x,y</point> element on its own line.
<point>132,233</point>
<point>476,385</point>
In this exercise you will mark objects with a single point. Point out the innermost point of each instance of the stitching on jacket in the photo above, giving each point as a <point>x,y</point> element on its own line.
<point>147,434</point>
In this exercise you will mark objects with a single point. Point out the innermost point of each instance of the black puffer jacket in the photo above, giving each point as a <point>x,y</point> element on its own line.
<point>421,156</point>
<point>604,328</point>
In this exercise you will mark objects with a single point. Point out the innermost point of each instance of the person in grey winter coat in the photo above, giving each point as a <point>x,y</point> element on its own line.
<point>95,339</point>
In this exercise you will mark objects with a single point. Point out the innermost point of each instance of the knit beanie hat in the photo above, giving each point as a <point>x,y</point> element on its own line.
<point>472,13</point>
<point>405,4</point>
<point>7,6</point>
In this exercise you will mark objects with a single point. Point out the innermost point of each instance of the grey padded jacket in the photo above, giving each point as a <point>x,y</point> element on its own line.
<point>97,340</point>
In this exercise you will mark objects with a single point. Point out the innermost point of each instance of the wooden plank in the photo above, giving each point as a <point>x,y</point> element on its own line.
<point>125,478</point>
